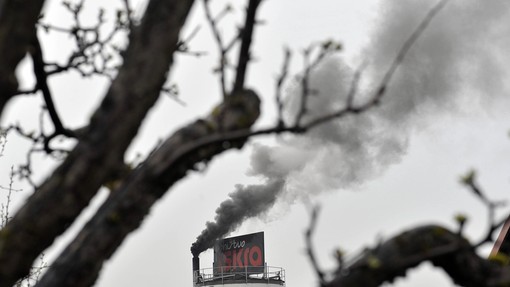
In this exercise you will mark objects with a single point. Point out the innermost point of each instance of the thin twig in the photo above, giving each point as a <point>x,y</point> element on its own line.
<point>304,87</point>
<point>405,49</point>
<point>219,41</point>
<point>3,141</point>
<point>381,90</point>
<point>470,182</point>
<point>354,85</point>
<point>279,85</point>
<point>309,244</point>
<point>95,54</point>
<point>326,49</point>
<point>6,207</point>
<point>42,85</point>
<point>183,45</point>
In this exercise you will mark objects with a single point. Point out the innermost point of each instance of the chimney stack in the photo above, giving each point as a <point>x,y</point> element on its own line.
<point>196,268</point>
<point>196,263</point>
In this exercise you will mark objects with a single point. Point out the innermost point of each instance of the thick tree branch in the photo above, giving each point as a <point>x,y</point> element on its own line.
<point>17,25</point>
<point>101,148</point>
<point>436,244</point>
<point>124,211</point>
<point>246,38</point>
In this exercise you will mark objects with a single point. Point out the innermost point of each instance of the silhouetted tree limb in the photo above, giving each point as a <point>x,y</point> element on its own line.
<point>96,52</point>
<point>124,210</point>
<point>436,244</point>
<point>470,181</point>
<point>223,49</point>
<point>309,246</point>
<point>388,76</point>
<point>246,38</point>
<point>17,27</point>
<point>42,85</point>
<point>98,154</point>
<point>195,143</point>
<point>279,85</point>
<point>441,247</point>
<point>101,148</point>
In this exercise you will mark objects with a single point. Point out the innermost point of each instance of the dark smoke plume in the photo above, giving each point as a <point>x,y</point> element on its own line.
<point>459,62</point>
<point>244,202</point>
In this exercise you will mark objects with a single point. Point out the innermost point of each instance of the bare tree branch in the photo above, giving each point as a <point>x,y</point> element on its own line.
<point>96,52</point>
<point>309,245</point>
<point>80,263</point>
<point>469,180</point>
<point>42,85</point>
<point>443,248</point>
<point>5,208</point>
<point>101,148</point>
<point>305,89</point>
<point>405,49</point>
<point>183,45</point>
<point>436,244</point>
<point>105,140</point>
<point>213,22</point>
<point>279,86</point>
<point>246,38</point>
<point>17,25</point>
<point>325,49</point>
<point>354,86</point>
<point>381,90</point>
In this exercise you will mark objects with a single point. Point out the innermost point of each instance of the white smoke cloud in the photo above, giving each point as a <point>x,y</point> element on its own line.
<point>459,61</point>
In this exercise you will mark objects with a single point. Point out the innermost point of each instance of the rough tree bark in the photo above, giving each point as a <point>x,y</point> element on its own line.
<point>17,27</point>
<point>443,248</point>
<point>80,263</point>
<point>101,147</point>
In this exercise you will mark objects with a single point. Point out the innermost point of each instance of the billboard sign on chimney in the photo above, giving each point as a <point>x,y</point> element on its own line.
<point>240,254</point>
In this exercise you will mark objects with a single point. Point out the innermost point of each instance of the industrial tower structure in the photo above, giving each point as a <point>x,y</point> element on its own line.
<point>239,261</point>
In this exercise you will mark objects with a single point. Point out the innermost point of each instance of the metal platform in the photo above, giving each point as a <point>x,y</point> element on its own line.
<point>271,276</point>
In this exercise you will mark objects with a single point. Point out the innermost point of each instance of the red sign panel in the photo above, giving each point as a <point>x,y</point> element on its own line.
<point>240,254</point>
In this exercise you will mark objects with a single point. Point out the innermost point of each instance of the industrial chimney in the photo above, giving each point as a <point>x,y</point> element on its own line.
<point>238,261</point>
<point>196,267</point>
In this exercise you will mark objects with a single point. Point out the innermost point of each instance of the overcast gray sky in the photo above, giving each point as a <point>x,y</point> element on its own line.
<point>445,113</point>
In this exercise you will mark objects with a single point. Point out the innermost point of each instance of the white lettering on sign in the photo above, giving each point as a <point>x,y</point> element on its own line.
<point>233,244</point>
